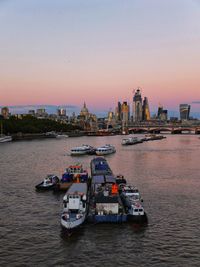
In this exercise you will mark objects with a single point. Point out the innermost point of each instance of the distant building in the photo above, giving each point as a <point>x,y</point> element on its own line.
<point>173,119</point>
<point>184,111</point>
<point>162,114</point>
<point>160,110</point>
<point>87,120</point>
<point>61,112</point>
<point>84,111</point>
<point>118,112</point>
<point>145,110</point>
<point>137,106</point>
<point>31,112</point>
<point>111,120</point>
<point>41,112</point>
<point>5,112</point>
<point>125,113</point>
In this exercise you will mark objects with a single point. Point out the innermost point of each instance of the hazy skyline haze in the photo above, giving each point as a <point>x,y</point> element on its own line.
<point>98,51</point>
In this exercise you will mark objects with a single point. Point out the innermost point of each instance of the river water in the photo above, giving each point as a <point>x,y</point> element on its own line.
<point>167,173</point>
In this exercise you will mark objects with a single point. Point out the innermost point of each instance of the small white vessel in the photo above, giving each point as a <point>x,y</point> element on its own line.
<point>80,150</point>
<point>48,183</point>
<point>131,141</point>
<point>75,206</point>
<point>4,138</point>
<point>132,201</point>
<point>105,150</point>
<point>60,136</point>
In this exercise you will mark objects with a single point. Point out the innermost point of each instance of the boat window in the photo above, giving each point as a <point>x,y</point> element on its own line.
<point>136,210</point>
<point>140,210</point>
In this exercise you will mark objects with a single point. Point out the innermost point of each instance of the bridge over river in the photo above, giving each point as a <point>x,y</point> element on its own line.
<point>163,129</point>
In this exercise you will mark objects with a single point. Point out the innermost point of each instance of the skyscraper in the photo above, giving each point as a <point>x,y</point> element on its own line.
<point>118,112</point>
<point>184,111</point>
<point>137,106</point>
<point>160,110</point>
<point>145,110</point>
<point>162,114</point>
<point>125,113</point>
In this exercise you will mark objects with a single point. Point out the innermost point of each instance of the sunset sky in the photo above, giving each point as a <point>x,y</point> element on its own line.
<point>65,52</point>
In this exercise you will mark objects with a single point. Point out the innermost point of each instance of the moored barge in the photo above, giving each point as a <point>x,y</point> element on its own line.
<point>105,202</point>
<point>111,201</point>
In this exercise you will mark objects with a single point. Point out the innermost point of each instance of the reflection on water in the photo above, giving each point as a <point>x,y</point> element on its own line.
<point>166,173</point>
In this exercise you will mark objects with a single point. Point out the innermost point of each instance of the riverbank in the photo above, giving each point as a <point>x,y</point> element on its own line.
<point>32,136</point>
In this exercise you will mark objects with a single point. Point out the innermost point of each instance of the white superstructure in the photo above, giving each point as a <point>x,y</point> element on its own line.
<point>105,150</point>
<point>80,150</point>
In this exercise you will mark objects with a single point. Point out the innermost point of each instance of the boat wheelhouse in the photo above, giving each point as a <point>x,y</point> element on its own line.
<point>73,174</point>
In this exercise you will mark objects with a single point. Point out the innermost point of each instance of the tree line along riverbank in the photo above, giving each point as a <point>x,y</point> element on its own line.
<point>31,125</point>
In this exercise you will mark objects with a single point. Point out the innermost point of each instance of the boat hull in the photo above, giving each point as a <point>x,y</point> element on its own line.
<point>137,218</point>
<point>62,186</point>
<point>110,218</point>
<point>78,153</point>
<point>5,139</point>
<point>71,223</point>
<point>98,153</point>
<point>41,187</point>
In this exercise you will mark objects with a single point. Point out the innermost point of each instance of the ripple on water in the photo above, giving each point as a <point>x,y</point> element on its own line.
<point>166,173</point>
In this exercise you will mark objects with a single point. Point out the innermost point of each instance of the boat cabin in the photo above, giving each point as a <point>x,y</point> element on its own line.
<point>131,191</point>
<point>75,168</point>
<point>75,198</point>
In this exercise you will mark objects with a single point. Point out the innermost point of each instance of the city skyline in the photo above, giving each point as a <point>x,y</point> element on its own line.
<point>68,52</point>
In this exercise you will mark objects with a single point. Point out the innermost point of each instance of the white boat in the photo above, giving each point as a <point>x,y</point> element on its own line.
<point>75,206</point>
<point>131,141</point>
<point>132,201</point>
<point>80,150</point>
<point>48,183</point>
<point>105,150</point>
<point>4,138</point>
<point>152,137</point>
<point>60,136</point>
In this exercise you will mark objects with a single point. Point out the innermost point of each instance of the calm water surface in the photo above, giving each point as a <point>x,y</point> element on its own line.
<point>167,173</point>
